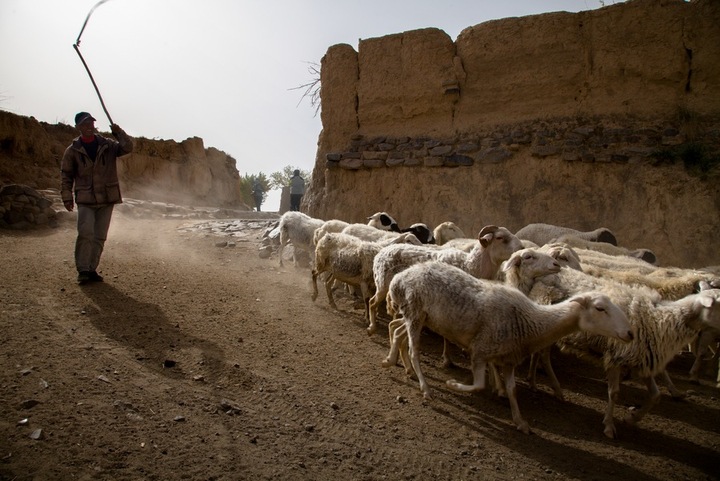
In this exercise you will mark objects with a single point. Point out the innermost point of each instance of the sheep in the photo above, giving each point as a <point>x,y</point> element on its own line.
<point>519,271</point>
<point>495,323</point>
<point>348,259</point>
<point>422,232</point>
<point>574,241</point>
<point>706,338</point>
<point>662,329</point>
<point>297,228</point>
<point>447,231</point>
<point>545,233</point>
<point>590,257</point>
<point>493,246</point>
<point>671,283</point>
<point>383,221</point>
<point>563,253</point>
<point>333,225</point>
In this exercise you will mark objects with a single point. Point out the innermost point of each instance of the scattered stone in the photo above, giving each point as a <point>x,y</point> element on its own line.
<point>199,378</point>
<point>44,384</point>
<point>221,244</point>
<point>230,407</point>
<point>103,378</point>
<point>179,419</point>
<point>169,363</point>
<point>23,422</point>
<point>401,399</point>
<point>29,404</point>
<point>334,406</point>
<point>309,428</point>
<point>25,372</point>
<point>37,434</point>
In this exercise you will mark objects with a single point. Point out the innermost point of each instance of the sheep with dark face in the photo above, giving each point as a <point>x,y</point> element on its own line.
<point>493,322</point>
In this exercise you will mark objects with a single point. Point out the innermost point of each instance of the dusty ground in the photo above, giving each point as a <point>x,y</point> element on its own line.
<point>267,384</point>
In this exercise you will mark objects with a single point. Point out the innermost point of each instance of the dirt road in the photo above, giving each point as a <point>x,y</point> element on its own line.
<point>197,362</point>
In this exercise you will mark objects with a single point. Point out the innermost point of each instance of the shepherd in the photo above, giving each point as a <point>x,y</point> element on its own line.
<point>89,180</point>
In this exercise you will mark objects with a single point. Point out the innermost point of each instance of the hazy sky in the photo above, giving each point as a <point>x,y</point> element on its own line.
<point>222,70</point>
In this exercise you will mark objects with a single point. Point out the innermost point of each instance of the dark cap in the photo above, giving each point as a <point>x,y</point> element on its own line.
<point>81,117</point>
<point>297,172</point>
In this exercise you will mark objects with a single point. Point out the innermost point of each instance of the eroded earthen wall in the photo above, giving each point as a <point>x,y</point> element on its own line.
<point>603,118</point>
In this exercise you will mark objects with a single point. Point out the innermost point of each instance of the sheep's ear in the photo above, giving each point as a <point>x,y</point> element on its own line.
<point>707,301</point>
<point>485,240</point>
<point>703,286</point>
<point>581,299</point>
<point>513,261</point>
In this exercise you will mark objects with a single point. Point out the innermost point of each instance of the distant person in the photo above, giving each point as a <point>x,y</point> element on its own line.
<point>258,194</point>
<point>89,171</point>
<point>297,190</point>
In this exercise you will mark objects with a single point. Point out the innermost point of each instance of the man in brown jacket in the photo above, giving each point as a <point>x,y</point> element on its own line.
<point>89,171</point>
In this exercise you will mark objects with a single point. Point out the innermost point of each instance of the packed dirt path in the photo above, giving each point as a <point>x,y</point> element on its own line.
<point>198,362</point>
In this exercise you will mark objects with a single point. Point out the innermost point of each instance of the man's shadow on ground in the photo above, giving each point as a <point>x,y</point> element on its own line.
<point>145,328</point>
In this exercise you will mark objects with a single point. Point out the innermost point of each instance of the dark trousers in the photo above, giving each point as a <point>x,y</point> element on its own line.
<point>295,201</point>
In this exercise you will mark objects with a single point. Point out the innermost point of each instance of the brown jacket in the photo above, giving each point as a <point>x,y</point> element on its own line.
<point>94,182</point>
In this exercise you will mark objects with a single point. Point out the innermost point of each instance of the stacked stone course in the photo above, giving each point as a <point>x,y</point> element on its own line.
<point>571,141</point>
<point>22,207</point>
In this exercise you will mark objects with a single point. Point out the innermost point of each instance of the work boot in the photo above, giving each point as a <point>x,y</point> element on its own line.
<point>95,277</point>
<point>83,277</point>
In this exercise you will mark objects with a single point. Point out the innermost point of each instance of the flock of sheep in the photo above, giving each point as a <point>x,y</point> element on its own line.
<point>503,297</point>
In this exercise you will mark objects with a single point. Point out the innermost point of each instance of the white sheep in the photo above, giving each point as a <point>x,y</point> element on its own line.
<point>493,322</point>
<point>349,259</point>
<point>545,233</point>
<point>702,343</point>
<point>563,253</point>
<point>661,328</point>
<point>447,231</point>
<point>297,228</point>
<point>519,271</point>
<point>332,225</point>
<point>493,246</point>
<point>671,283</point>
<point>574,241</point>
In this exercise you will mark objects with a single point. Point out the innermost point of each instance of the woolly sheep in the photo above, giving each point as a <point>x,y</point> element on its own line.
<point>671,283</point>
<point>447,231</point>
<point>706,338</point>
<point>493,246</point>
<point>661,328</point>
<point>563,253</point>
<point>348,259</point>
<point>332,225</point>
<point>297,228</point>
<point>519,271</point>
<point>545,233</point>
<point>574,241</point>
<point>493,322</point>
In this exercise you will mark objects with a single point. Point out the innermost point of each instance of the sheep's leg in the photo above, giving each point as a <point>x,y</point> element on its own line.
<point>674,392</point>
<point>328,288</point>
<point>396,328</point>
<point>509,374</point>
<point>497,381</point>
<point>700,347</point>
<point>372,312</point>
<point>532,370</point>
<point>447,362</point>
<point>634,417</point>
<point>365,292</point>
<point>613,379</point>
<point>478,368</point>
<point>545,358</point>
<point>413,332</point>
<point>314,283</point>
